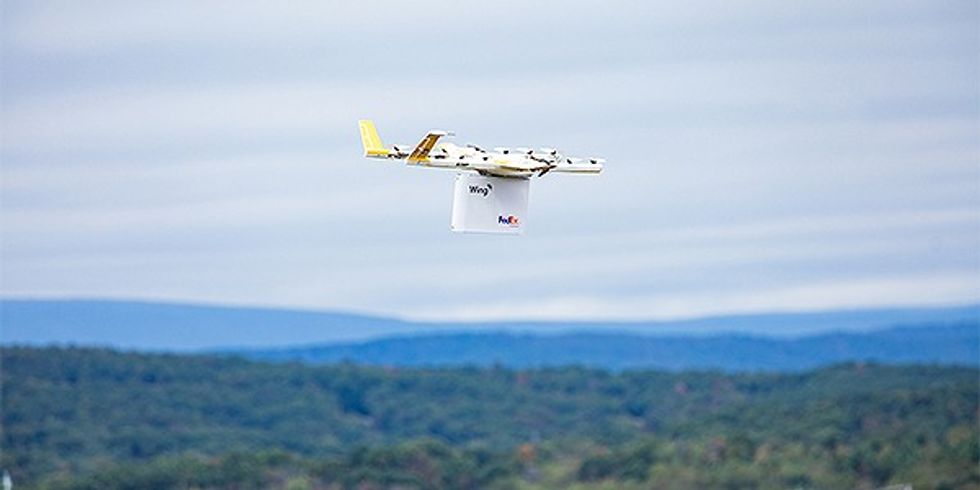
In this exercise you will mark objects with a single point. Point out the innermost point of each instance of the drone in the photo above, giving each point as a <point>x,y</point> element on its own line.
<point>491,189</point>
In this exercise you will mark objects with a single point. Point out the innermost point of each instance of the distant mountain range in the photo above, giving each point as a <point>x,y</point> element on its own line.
<point>186,327</point>
<point>778,342</point>
<point>944,344</point>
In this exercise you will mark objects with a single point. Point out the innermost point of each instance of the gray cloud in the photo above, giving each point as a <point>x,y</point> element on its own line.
<point>763,155</point>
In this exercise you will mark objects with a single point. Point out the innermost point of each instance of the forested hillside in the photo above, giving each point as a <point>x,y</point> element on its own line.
<point>90,418</point>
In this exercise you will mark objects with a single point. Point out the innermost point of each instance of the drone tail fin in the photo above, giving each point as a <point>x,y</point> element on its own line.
<point>421,151</point>
<point>373,147</point>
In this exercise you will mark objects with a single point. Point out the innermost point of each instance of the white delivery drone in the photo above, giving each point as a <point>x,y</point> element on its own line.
<point>491,187</point>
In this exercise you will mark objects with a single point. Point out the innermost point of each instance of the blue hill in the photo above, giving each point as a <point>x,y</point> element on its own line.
<point>749,340</point>
<point>169,326</point>
<point>944,344</point>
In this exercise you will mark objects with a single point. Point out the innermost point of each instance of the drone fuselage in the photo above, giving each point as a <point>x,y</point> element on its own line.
<point>499,211</point>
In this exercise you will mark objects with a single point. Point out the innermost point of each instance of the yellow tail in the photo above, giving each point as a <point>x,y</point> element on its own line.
<point>373,147</point>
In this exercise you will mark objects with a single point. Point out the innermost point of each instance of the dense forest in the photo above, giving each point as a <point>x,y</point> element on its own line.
<point>93,418</point>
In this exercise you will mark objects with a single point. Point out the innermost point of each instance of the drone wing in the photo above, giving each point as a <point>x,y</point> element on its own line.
<point>578,165</point>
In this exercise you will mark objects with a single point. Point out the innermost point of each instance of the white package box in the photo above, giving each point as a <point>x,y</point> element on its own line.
<point>484,204</point>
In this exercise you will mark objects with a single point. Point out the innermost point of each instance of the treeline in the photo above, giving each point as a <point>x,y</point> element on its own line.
<point>91,418</point>
<point>718,462</point>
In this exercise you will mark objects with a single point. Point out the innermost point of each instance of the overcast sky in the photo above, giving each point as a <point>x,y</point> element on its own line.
<point>761,156</point>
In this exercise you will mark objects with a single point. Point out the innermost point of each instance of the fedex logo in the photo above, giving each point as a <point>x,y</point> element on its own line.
<point>509,220</point>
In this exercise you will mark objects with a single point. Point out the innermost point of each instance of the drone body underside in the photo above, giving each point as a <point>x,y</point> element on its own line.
<point>490,193</point>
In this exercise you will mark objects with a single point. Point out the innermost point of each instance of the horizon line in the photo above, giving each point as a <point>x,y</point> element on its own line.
<point>428,321</point>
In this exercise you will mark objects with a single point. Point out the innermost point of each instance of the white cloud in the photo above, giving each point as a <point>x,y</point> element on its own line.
<point>935,289</point>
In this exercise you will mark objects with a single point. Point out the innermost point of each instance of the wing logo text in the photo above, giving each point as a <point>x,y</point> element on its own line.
<point>481,190</point>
